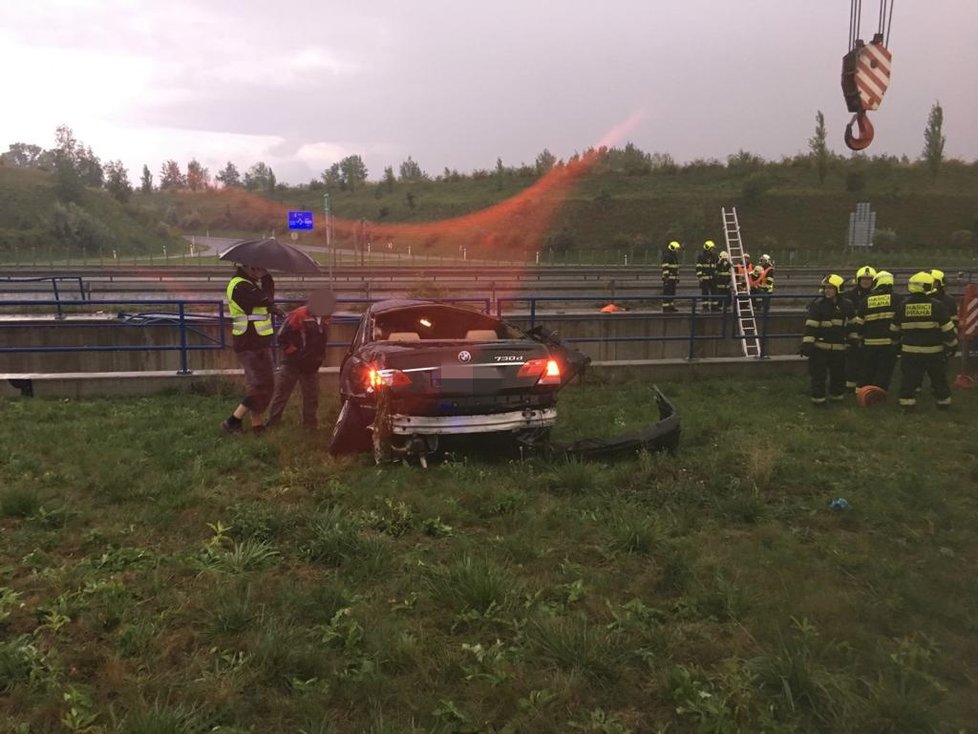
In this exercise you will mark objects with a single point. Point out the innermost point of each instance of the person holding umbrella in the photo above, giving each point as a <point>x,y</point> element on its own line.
<point>251,295</point>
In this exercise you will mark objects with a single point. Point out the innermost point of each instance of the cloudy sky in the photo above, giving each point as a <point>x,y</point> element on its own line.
<point>300,84</point>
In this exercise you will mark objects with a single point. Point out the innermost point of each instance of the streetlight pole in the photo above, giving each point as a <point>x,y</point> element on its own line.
<point>330,253</point>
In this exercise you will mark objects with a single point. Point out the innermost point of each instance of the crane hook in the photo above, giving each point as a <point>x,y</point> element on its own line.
<point>865,132</point>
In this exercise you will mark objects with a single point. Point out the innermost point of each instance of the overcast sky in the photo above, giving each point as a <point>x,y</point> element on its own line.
<point>300,84</point>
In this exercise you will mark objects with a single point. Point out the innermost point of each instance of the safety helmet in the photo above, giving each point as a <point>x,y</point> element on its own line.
<point>938,276</point>
<point>833,281</point>
<point>758,270</point>
<point>709,245</point>
<point>724,255</point>
<point>766,259</point>
<point>747,256</point>
<point>866,271</point>
<point>921,282</point>
<point>674,246</point>
<point>883,278</point>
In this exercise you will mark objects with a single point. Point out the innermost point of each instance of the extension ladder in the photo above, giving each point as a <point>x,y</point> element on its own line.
<point>740,286</point>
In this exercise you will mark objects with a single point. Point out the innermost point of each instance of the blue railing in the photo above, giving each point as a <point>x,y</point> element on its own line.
<point>54,280</point>
<point>696,314</point>
<point>190,317</point>
<point>185,319</point>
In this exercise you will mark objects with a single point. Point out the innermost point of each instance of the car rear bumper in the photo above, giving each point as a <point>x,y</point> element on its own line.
<point>516,420</point>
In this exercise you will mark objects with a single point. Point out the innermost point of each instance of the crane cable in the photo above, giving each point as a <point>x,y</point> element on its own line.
<point>855,14</point>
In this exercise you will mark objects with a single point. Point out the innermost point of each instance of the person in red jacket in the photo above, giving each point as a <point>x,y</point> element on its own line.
<point>302,339</point>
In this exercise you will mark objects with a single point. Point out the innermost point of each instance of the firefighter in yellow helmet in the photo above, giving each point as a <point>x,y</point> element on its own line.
<point>826,340</point>
<point>874,314</point>
<point>862,287</point>
<point>941,294</point>
<point>922,325</point>
<point>721,280</point>
<point>706,270</point>
<point>670,274</point>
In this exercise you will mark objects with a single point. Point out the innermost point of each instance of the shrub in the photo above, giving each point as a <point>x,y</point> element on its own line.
<point>855,181</point>
<point>962,238</point>
<point>885,238</point>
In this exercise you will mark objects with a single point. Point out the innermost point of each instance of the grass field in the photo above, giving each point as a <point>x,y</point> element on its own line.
<point>156,576</point>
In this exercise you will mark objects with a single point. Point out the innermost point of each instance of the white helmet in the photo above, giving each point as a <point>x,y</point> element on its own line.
<point>724,255</point>
<point>766,259</point>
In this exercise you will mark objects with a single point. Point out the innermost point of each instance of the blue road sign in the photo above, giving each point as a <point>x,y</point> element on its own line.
<point>300,220</point>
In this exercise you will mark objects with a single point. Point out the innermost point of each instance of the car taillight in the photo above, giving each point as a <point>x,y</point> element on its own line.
<point>380,379</point>
<point>547,370</point>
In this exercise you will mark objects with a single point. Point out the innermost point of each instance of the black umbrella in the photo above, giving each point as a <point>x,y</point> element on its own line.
<point>271,255</point>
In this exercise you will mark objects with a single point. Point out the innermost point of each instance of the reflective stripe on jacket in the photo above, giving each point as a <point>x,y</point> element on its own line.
<point>259,315</point>
<point>923,326</point>
<point>827,322</point>
<point>874,314</point>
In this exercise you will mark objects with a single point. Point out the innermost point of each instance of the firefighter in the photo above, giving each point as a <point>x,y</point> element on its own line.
<point>670,275</point>
<point>721,280</point>
<point>765,283</point>
<point>874,315</point>
<point>941,294</point>
<point>826,340</point>
<point>745,271</point>
<point>862,286</point>
<point>923,328</point>
<point>706,271</point>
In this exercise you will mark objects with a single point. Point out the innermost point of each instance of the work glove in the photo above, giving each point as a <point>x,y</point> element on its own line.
<point>807,350</point>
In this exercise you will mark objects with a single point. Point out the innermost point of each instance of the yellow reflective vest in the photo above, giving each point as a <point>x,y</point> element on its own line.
<point>259,315</point>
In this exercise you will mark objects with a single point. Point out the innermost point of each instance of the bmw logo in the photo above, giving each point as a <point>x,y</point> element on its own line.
<point>464,356</point>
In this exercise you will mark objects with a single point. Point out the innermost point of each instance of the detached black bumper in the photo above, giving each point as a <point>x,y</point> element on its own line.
<point>663,435</point>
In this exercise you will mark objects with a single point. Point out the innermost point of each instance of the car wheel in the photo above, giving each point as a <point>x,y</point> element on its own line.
<point>350,434</point>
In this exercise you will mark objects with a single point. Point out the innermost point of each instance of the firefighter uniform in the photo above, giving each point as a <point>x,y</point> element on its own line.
<point>826,339</point>
<point>706,271</point>
<point>862,287</point>
<point>670,275</point>
<point>721,280</point>
<point>941,294</point>
<point>874,315</point>
<point>926,335</point>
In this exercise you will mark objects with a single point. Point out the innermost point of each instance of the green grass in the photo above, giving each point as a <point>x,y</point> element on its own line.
<point>158,576</point>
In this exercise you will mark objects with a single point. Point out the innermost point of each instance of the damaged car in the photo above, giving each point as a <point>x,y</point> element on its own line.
<point>419,374</point>
<point>418,371</point>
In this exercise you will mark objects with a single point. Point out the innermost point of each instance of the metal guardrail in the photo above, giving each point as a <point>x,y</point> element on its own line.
<point>189,316</point>
<point>695,314</point>
<point>54,280</point>
<point>182,318</point>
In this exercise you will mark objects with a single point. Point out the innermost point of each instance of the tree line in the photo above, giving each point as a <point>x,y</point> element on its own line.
<point>75,165</point>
